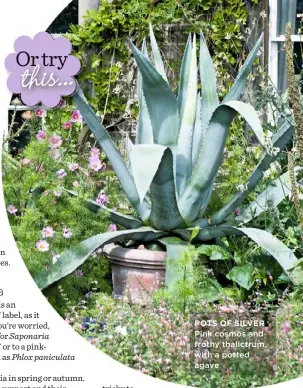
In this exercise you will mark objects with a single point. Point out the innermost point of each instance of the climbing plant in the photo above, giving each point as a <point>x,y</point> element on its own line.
<point>101,43</point>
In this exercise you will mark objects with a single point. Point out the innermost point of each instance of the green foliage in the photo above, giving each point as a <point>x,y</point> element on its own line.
<point>155,339</point>
<point>173,193</point>
<point>32,185</point>
<point>105,32</point>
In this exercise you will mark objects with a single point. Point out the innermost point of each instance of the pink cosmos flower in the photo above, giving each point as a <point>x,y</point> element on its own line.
<point>27,115</point>
<point>61,173</point>
<point>78,273</point>
<point>286,327</point>
<point>55,141</point>
<point>25,162</point>
<point>95,151</point>
<point>55,153</point>
<point>67,233</point>
<point>57,193</point>
<point>12,209</point>
<point>95,165</point>
<point>76,117</point>
<point>237,211</point>
<point>41,135</point>
<point>67,125</point>
<point>42,246</point>
<point>73,167</point>
<point>55,257</point>
<point>112,228</point>
<point>40,112</point>
<point>76,184</point>
<point>48,231</point>
<point>39,168</point>
<point>102,199</point>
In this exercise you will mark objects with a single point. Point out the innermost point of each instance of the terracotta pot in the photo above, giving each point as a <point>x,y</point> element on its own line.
<point>135,272</point>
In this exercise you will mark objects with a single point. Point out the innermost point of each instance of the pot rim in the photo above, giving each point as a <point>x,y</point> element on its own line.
<point>129,257</point>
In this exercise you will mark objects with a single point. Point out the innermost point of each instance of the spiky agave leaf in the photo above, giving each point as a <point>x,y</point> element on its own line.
<point>160,100</point>
<point>240,82</point>
<point>164,211</point>
<point>274,193</point>
<point>145,161</point>
<point>108,146</point>
<point>211,154</point>
<point>71,259</point>
<point>210,99</point>
<point>279,140</point>
<point>188,116</point>
<point>159,65</point>
<point>126,221</point>
<point>144,134</point>
<point>284,256</point>
<point>184,75</point>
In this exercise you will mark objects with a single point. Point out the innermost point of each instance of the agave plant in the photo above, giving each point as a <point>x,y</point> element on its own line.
<point>173,164</point>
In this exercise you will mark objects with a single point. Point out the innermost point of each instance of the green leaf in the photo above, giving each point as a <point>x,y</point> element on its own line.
<point>108,146</point>
<point>197,192</point>
<point>275,192</point>
<point>123,220</point>
<point>209,84</point>
<point>267,265</point>
<point>145,160</point>
<point>215,252</point>
<point>184,155</point>
<point>244,276</point>
<point>211,290</point>
<point>129,146</point>
<point>279,140</point>
<point>144,134</point>
<point>199,133</point>
<point>71,259</point>
<point>250,115</point>
<point>184,76</point>
<point>159,65</point>
<point>160,100</point>
<point>208,163</point>
<point>165,213</point>
<point>297,276</point>
<point>284,256</point>
<point>175,249</point>
<point>240,82</point>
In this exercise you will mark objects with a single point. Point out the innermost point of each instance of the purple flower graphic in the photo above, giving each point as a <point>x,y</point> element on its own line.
<point>42,69</point>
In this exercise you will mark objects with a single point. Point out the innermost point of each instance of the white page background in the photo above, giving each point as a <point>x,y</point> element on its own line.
<point>27,17</point>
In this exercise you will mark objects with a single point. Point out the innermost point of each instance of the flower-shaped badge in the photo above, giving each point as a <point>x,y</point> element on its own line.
<point>42,69</point>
